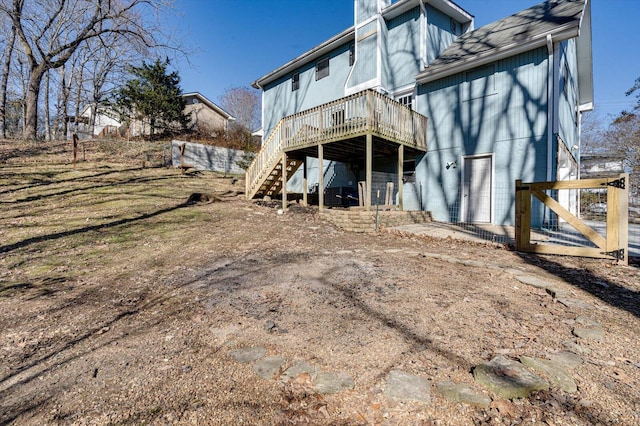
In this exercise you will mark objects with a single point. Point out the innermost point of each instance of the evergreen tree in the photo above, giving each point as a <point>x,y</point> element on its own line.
<point>153,97</point>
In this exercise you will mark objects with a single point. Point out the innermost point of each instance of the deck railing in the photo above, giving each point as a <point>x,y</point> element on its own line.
<point>366,112</point>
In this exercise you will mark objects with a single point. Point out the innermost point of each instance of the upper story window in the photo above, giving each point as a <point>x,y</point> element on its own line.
<point>454,26</point>
<point>322,68</point>
<point>352,54</point>
<point>295,82</point>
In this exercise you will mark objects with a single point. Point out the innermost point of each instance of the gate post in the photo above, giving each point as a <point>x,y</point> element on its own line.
<point>522,216</point>
<point>618,218</point>
<point>624,218</point>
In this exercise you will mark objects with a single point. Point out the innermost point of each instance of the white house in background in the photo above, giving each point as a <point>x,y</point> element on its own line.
<point>106,122</point>
<point>206,118</point>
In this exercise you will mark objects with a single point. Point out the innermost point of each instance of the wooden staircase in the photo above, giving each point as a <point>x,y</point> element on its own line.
<point>272,185</point>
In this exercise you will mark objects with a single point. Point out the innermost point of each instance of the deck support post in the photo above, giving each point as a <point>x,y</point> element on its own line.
<point>283,191</point>
<point>368,172</point>
<point>305,184</point>
<point>400,175</point>
<point>320,178</point>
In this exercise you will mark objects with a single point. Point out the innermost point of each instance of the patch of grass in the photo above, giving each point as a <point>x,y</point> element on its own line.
<point>98,216</point>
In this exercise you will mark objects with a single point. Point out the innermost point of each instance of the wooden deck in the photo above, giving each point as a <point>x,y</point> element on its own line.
<point>345,123</point>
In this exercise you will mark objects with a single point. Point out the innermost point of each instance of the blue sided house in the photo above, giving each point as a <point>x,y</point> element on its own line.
<point>415,109</point>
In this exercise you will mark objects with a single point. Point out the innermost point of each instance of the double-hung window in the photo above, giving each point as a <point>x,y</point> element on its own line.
<point>295,82</point>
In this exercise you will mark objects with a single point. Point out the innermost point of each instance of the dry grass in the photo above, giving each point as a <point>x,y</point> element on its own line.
<point>59,221</point>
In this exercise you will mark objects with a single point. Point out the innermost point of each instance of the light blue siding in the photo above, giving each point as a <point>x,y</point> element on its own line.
<point>402,63</point>
<point>499,109</point>
<point>366,65</point>
<point>335,174</point>
<point>568,94</point>
<point>439,32</point>
<point>280,101</point>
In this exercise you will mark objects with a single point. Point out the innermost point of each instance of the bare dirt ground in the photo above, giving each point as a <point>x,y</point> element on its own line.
<point>120,302</point>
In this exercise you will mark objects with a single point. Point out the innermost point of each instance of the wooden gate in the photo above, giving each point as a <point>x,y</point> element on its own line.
<point>615,245</point>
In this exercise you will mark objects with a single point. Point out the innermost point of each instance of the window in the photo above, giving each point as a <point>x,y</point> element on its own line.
<point>322,68</point>
<point>352,54</point>
<point>454,26</point>
<point>295,82</point>
<point>406,100</point>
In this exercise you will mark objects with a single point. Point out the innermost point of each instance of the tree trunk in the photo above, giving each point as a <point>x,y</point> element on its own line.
<point>30,131</point>
<point>4,81</point>
<point>47,112</point>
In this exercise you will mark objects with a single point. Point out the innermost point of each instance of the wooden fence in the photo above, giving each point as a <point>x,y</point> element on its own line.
<point>614,245</point>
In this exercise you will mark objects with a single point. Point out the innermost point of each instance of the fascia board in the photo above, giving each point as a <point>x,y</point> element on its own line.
<point>497,54</point>
<point>447,7</point>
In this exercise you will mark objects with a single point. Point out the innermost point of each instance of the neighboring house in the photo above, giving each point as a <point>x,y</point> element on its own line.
<point>601,165</point>
<point>206,118</point>
<point>413,93</point>
<point>106,122</point>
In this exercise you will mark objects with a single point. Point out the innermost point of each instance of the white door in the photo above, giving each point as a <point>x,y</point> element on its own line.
<point>477,189</point>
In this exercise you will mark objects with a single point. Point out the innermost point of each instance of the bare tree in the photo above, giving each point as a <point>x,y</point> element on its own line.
<point>61,27</point>
<point>592,135</point>
<point>624,136</point>
<point>4,81</point>
<point>243,103</point>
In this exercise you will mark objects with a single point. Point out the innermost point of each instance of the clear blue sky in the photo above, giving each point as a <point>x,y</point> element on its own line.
<point>235,42</point>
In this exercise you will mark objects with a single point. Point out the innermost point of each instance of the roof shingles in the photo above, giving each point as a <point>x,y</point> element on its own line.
<point>534,23</point>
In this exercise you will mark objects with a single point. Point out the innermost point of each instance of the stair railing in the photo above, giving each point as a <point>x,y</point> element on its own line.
<point>264,161</point>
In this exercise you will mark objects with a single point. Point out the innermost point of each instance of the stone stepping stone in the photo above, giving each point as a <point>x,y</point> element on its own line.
<point>402,385</point>
<point>245,355</point>
<point>556,373</point>
<point>269,367</point>
<point>534,281</point>
<point>298,368</point>
<point>329,383</point>
<point>557,293</point>
<point>508,379</point>
<point>575,347</point>
<point>587,322</point>
<point>473,263</point>
<point>574,303</point>
<point>461,392</point>
<point>566,359</point>
<point>596,334</point>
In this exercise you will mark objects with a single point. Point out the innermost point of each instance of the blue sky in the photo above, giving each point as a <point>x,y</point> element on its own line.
<point>235,42</point>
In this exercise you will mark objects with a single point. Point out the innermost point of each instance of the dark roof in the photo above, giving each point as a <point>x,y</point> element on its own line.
<point>560,18</point>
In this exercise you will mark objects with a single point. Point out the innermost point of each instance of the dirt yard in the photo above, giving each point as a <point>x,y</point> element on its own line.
<point>121,303</point>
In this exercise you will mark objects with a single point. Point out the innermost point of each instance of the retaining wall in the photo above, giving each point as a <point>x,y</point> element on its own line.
<point>365,221</point>
<point>207,157</point>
